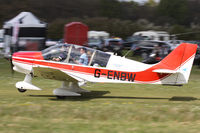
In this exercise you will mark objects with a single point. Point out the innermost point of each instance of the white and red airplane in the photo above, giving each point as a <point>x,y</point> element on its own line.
<point>59,63</point>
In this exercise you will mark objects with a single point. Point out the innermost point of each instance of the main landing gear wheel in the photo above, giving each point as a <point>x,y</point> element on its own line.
<point>21,90</point>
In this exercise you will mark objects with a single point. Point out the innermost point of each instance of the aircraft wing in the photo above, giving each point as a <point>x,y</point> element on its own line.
<point>50,73</point>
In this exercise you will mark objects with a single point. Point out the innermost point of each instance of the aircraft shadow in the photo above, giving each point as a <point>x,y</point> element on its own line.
<point>84,96</point>
<point>100,94</point>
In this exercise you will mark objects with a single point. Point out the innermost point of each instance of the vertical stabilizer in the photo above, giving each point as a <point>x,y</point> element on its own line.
<point>180,61</point>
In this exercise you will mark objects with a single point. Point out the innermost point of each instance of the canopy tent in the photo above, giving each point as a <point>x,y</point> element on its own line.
<point>25,30</point>
<point>25,19</point>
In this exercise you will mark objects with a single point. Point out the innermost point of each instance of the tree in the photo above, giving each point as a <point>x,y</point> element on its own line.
<point>110,8</point>
<point>151,3</point>
<point>174,10</point>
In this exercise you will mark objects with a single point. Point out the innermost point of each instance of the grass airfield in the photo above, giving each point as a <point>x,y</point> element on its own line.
<point>109,108</point>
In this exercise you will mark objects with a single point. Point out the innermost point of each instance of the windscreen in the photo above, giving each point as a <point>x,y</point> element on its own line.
<point>58,52</point>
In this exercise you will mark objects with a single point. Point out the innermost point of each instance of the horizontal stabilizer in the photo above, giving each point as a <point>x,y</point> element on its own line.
<point>165,71</point>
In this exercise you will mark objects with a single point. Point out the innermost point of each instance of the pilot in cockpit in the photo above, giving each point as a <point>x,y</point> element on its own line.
<point>62,55</point>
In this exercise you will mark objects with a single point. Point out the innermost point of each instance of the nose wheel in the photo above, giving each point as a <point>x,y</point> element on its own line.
<point>21,90</point>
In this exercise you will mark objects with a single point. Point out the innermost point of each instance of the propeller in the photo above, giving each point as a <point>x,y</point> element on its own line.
<point>11,64</point>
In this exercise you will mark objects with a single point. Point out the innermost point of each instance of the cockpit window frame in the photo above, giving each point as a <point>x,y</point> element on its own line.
<point>94,56</point>
<point>68,55</point>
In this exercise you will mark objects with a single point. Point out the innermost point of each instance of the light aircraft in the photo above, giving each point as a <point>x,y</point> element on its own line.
<point>103,67</point>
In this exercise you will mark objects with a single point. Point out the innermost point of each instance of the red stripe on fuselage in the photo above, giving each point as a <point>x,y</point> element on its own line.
<point>172,62</point>
<point>29,55</point>
<point>144,76</point>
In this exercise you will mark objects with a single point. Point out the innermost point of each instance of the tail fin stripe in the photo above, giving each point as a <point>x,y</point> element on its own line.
<point>180,58</point>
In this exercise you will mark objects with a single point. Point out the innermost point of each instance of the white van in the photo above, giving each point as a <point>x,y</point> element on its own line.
<point>96,39</point>
<point>98,34</point>
<point>154,35</point>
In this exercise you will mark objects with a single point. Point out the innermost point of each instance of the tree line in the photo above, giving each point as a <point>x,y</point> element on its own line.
<point>118,18</point>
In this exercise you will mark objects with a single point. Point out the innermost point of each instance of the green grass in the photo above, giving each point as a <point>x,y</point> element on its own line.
<point>109,108</point>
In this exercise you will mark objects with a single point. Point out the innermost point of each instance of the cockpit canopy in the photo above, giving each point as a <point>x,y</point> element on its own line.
<point>75,54</point>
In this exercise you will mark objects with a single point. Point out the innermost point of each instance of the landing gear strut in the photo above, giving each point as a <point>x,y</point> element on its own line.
<point>22,86</point>
<point>68,89</point>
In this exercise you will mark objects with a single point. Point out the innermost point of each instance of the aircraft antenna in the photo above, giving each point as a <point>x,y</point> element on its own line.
<point>127,53</point>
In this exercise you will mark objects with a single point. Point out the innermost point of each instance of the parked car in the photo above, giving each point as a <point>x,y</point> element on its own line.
<point>95,43</point>
<point>127,44</point>
<point>197,56</point>
<point>50,42</point>
<point>174,43</point>
<point>113,45</point>
<point>151,51</point>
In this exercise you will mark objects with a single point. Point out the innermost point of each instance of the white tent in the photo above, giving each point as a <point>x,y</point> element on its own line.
<point>24,32</point>
<point>98,34</point>
<point>24,19</point>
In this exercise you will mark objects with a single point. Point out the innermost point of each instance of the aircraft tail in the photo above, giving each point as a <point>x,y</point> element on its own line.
<point>177,64</point>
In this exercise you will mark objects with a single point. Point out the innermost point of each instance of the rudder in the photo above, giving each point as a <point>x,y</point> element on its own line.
<point>180,60</point>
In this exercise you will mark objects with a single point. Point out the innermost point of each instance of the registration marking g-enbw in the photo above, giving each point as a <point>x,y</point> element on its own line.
<point>115,75</point>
